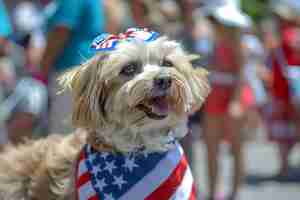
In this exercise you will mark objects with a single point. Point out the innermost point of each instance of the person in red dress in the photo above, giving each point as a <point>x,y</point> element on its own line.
<point>283,117</point>
<point>223,110</point>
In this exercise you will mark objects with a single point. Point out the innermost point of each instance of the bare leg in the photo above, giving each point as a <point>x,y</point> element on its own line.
<point>236,145</point>
<point>213,129</point>
<point>284,151</point>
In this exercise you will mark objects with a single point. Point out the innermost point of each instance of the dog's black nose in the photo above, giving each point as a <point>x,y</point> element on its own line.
<point>163,82</point>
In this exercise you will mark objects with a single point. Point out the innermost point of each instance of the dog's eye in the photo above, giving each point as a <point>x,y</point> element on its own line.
<point>130,69</point>
<point>167,63</point>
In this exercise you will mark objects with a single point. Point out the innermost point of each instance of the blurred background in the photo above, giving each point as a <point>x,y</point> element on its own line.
<point>243,143</point>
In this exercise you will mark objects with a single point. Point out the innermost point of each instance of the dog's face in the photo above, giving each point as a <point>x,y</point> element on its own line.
<point>136,94</point>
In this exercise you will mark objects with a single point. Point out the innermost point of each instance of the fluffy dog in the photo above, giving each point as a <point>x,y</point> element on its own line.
<point>133,98</point>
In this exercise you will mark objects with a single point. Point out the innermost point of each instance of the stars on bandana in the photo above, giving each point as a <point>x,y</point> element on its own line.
<point>104,155</point>
<point>130,163</point>
<point>110,166</point>
<point>97,171</point>
<point>100,185</point>
<point>119,181</point>
<point>114,174</point>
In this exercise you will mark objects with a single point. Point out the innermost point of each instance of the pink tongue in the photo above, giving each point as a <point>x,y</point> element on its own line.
<point>161,105</point>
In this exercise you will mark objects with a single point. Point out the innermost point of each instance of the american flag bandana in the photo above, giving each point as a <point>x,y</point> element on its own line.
<point>108,42</point>
<point>139,176</point>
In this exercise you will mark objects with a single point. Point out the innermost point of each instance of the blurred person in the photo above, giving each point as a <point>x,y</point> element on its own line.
<point>254,93</point>
<point>223,110</point>
<point>27,99</point>
<point>254,56</point>
<point>28,33</point>
<point>71,27</point>
<point>5,32</point>
<point>283,114</point>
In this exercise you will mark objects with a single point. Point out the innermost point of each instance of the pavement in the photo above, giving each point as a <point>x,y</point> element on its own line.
<point>260,162</point>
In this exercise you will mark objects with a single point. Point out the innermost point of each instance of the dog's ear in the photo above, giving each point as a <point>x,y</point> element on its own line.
<point>200,87</point>
<point>88,91</point>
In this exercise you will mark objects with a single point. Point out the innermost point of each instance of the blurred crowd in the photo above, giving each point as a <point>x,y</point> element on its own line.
<point>254,67</point>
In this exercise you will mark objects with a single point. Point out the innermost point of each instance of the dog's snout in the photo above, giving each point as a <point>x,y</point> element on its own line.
<point>163,83</point>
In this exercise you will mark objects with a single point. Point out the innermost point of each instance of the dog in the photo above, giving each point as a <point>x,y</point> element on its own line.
<point>132,100</point>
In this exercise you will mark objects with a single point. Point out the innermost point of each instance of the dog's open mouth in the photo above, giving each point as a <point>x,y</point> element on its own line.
<point>155,108</point>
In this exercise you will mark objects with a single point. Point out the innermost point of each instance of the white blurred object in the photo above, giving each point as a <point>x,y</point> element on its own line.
<point>227,12</point>
<point>288,9</point>
<point>29,94</point>
<point>27,18</point>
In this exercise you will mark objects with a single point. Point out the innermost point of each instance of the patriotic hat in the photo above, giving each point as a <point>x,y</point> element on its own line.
<point>108,42</point>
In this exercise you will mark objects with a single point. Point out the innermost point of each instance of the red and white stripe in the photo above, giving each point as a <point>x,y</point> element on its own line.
<point>170,179</point>
<point>85,190</point>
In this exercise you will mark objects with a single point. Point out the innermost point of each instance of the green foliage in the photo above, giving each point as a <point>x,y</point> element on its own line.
<point>257,9</point>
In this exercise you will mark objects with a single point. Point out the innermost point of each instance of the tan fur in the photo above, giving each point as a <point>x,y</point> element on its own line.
<point>106,104</point>
<point>39,170</point>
